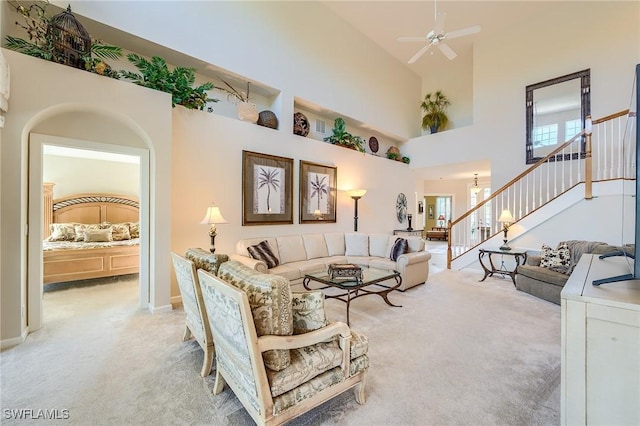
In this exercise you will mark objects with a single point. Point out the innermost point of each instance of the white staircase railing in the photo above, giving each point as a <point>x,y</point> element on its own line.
<point>605,153</point>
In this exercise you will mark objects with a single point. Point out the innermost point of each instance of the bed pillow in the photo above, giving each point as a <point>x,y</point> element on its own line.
<point>81,228</point>
<point>62,232</point>
<point>119,231</point>
<point>262,251</point>
<point>97,235</point>
<point>134,229</point>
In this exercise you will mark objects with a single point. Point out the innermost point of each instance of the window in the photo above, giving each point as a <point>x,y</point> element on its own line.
<point>572,128</point>
<point>545,135</point>
<point>443,207</point>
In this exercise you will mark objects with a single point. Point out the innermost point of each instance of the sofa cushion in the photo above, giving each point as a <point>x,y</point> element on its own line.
<point>378,245</point>
<point>291,248</point>
<point>356,244</point>
<point>289,271</point>
<point>270,300</point>
<point>359,260</point>
<point>315,246</point>
<point>400,246</point>
<point>414,244</point>
<point>262,251</point>
<point>308,311</point>
<point>383,263</point>
<point>543,274</point>
<point>335,243</point>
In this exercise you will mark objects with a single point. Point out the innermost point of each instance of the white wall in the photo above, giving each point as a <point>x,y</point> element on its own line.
<point>89,107</point>
<point>314,62</point>
<point>74,175</point>
<point>602,36</point>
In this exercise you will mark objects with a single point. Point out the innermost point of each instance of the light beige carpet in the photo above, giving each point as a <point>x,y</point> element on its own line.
<point>458,352</point>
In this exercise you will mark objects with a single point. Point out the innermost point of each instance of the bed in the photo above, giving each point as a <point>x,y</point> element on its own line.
<point>71,256</point>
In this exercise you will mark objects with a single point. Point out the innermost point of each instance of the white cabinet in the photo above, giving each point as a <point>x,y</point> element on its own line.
<point>600,346</point>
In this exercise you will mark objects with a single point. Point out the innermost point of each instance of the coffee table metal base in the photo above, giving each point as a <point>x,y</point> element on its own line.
<point>353,289</point>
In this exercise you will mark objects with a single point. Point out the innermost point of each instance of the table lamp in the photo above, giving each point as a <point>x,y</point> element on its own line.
<point>441,220</point>
<point>506,218</point>
<point>213,217</point>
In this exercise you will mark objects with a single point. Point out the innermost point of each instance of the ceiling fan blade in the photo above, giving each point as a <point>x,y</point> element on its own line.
<point>412,39</point>
<point>420,53</point>
<point>463,32</point>
<point>448,52</point>
<point>440,20</point>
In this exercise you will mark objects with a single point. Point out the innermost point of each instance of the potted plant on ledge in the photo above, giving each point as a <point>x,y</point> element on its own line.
<point>341,137</point>
<point>435,106</point>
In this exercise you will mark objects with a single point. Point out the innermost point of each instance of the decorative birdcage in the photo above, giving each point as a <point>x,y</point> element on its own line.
<point>70,39</point>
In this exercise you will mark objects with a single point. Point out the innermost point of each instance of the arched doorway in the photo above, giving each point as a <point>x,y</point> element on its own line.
<point>81,128</point>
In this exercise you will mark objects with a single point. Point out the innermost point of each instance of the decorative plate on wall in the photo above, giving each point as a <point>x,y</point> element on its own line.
<point>300,124</point>
<point>401,207</point>
<point>373,144</point>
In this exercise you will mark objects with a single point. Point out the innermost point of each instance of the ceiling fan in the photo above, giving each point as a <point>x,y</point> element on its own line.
<point>437,37</point>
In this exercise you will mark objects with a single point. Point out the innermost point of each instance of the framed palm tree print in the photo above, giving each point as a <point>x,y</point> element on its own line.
<point>317,193</point>
<point>267,189</point>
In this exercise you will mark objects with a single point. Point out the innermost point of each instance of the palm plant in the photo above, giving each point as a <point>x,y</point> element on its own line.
<point>319,187</point>
<point>269,178</point>
<point>434,105</point>
<point>155,74</point>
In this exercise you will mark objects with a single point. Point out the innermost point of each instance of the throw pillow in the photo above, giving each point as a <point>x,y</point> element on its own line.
<point>356,244</point>
<point>97,235</point>
<point>81,228</point>
<point>62,232</point>
<point>399,247</point>
<point>119,231</point>
<point>262,251</point>
<point>308,311</point>
<point>134,229</point>
<point>558,260</point>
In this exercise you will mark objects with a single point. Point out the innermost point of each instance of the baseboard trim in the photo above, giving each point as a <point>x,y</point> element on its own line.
<point>160,309</point>
<point>14,341</point>
<point>176,300</point>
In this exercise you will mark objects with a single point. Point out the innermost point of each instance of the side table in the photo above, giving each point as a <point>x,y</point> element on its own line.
<point>518,255</point>
<point>407,233</point>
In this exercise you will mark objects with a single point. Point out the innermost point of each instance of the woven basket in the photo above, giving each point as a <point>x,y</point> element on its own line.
<point>268,118</point>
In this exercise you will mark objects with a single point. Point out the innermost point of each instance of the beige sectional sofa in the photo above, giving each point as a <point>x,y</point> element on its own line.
<point>302,254</point>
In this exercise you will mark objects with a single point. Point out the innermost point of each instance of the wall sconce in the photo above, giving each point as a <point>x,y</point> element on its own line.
<point>213,217</point>
<point>356,194</point>
<point>475,188</point>
<point>506,218</point>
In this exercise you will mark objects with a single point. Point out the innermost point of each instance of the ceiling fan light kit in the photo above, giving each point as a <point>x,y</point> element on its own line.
<point>437,37</point>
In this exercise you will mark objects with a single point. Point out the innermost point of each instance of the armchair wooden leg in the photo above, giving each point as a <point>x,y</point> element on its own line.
<point>219,384</point>
<point>187,333</point>
<point>208,361</point>
<point>359,392</point>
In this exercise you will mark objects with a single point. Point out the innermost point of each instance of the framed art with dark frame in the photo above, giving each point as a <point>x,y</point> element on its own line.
<point>318,192</point>
<point>267,189</point>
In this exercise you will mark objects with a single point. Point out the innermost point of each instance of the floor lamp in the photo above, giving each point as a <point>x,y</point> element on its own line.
<point>213,217</point>
<point>356,194</point>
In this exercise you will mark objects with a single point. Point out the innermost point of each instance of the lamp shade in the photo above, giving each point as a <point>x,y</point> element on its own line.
<point>506,217</point>
<point>441,217</point>
<point>213,216</point>
<point>356,193</point>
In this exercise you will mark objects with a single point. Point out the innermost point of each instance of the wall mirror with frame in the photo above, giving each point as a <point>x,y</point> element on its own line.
<point>556,110</point>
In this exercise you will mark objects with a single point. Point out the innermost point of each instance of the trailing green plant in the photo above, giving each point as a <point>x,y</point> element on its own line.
<point>41,41</point>
<point>435,105</point>
<point>340,136</point>
<point>155,74</point>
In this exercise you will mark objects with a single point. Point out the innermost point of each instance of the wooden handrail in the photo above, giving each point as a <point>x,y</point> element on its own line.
<point>542,161</point>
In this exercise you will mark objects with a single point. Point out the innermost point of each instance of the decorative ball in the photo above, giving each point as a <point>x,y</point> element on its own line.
<point>268,118</point>
<point>300,124</point>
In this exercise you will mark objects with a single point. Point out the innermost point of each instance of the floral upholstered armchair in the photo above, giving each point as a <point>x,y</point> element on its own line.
<point>275,373</point>
<point>194,309</point>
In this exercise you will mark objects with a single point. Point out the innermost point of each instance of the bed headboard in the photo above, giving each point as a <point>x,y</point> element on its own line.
<point>89,208</point>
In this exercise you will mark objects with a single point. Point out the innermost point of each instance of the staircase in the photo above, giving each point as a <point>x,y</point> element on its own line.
<point>601,153</point>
